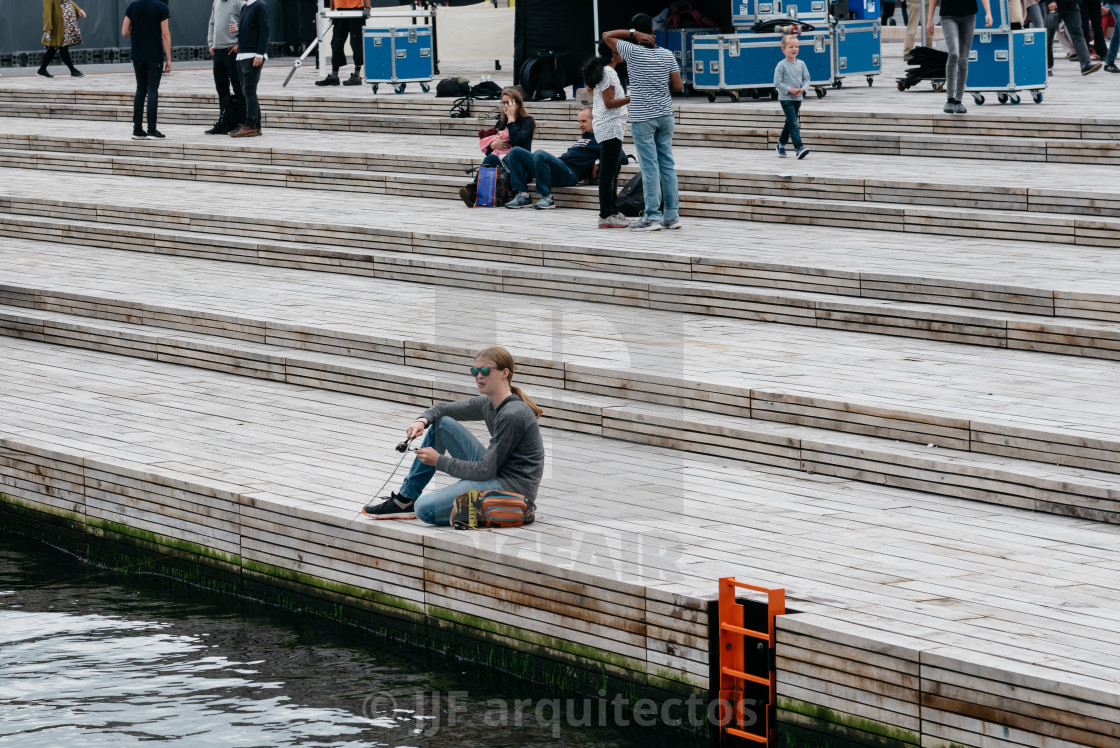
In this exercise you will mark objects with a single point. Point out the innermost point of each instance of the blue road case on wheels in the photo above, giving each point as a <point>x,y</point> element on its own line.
<point>1006,62</point>
<point>399,55</point>
<point>730,63</point>
<point>864,9</point>
<point>858,48</point>
<point>679,42</point>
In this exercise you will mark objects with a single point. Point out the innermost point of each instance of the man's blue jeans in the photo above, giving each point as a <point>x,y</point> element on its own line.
<point>445,436</point>
<point>548,171</point>
<point>1114,45</point>
<point>653,139</point>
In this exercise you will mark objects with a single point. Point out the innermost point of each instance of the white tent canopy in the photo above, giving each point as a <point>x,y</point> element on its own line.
<point>475,32</point>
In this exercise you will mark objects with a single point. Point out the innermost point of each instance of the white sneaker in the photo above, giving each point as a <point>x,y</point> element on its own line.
<point>643,225</point>
<point>617,221</point>
<point>673,224</point>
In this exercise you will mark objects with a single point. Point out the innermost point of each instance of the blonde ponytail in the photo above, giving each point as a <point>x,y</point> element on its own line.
<point>503,359</point>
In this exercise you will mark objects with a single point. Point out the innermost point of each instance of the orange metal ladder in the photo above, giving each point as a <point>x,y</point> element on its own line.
<point>733,636</point>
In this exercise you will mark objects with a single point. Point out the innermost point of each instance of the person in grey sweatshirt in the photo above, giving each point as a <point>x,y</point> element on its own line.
<point>227,81</point>
<point>791,78</point>
<point>513,461</point>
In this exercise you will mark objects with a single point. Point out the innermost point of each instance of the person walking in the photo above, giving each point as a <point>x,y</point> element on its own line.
<point>1110,59</point>
<point>513,461</point>
<point>227,81</point>
<point>252,51</point>
<point>654,74</point>
<point>609,112</point>
<point>146,24</point>
<point>1092,27</point>
<point>791,78</point>
<point>1069,13</point>
<point>60,33</point>
<point>913,19</point>
<point>343,28</point>
<point>958,23</point>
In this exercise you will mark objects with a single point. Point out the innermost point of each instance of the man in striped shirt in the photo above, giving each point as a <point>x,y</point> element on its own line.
<point>653,75</point>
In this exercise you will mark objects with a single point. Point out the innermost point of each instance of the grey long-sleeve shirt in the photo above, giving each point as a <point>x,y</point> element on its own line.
<point>789,75</point>
<point>218,36</point>
<point>515,456</point>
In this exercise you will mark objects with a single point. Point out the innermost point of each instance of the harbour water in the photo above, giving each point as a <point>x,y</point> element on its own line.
<point>94,658</point>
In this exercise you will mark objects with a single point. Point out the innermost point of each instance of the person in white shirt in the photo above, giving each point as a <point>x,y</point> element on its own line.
<point>609,112</point>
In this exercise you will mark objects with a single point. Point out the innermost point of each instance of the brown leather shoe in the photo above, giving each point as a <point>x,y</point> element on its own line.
<point>242,132</point>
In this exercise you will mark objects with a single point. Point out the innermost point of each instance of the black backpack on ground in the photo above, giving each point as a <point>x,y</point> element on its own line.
<point>486,90</point>
<point>453,87</point>
<point>631,198</point>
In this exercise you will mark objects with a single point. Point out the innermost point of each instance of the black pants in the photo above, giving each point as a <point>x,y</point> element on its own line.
<point>1069,14</point>
<point>148,75</point>
<point>610,154</point>
<point>343,27</point>
<point>888,12</point>
<point>227,82</point>
<point>1091,21</point>
<point>63,52</point>
<point>250,77</point>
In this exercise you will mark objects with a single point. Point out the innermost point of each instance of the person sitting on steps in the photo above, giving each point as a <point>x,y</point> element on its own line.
<point>340,29</point>
<point>514,124</point>
<point>577,164</point>
<point>513,461</point>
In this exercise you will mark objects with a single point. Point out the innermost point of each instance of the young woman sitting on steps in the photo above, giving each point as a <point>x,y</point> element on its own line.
<point>514,125</point>
<point>513,461</point>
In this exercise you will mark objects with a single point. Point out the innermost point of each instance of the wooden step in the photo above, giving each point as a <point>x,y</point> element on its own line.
<point>748,114</point>
<point>972,275</point>
<point>742,300</point>
<point>947,472</point>
<point>1037,196</point>
<point>849,213</point>
<point>965,146</point>
<point>1025,434</point>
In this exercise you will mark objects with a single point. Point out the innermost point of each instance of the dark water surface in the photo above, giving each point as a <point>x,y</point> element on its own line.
<point>90,658</point>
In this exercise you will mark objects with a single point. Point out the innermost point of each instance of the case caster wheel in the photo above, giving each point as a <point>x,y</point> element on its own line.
<point>711,98</point>
<point>1015,98</point>
<point>979,99</point>
<point>374,88</point>
<point>1001,98</point>
<point>821,93</point>
<point>425,87</point>
<point>900,86</point>
<point>734,97</point>
<point>774,94</point>
<point>837,83</point>
<point>754,93</point>
<point>399,88</point>
<point>1037,96</point>
<point>870,81</point>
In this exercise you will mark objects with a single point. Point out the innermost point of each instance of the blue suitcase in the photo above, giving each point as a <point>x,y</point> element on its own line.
<point>858,49</point>
<point>864,9</point>
<point>1005,62</point>
<point>810,11</point>
<point>735,62</point>
<point>399,55</point>
<point>679,42</point>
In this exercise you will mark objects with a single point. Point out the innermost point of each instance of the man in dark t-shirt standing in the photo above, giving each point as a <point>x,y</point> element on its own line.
<point>146,22</point>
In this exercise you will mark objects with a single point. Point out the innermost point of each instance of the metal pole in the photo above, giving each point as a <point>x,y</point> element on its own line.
<point>595,11</point>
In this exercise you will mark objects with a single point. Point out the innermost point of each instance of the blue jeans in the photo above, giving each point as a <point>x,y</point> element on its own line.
<point>792,127</point>
<point>653,139</point>
<point>445,436</point>
<point>1114,45</point>
<point>546,169</point>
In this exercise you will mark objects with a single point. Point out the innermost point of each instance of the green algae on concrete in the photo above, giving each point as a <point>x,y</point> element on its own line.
<point>824,718</point>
